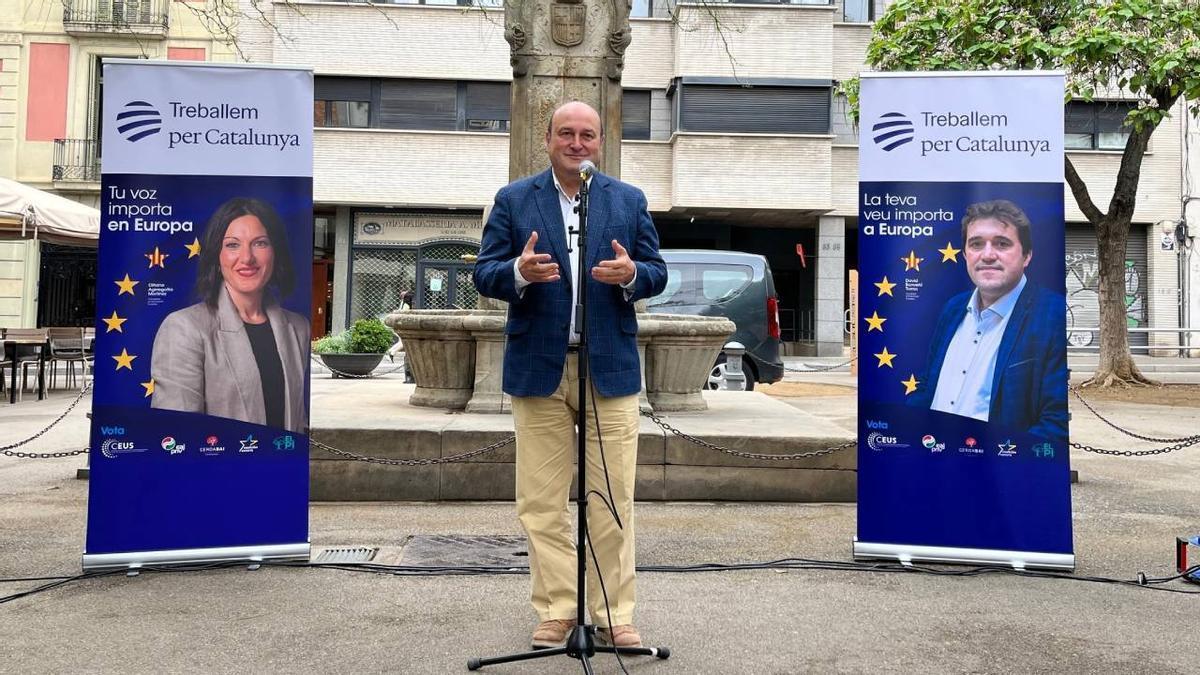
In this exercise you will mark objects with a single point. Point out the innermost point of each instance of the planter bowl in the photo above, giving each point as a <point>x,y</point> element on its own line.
<point>359,365</point>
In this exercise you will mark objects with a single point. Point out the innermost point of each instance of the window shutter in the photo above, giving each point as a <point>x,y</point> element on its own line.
<point>488,101</point>
<point>1080,119</point>
<point>759,109</point>
<point>418,104</point>
<point>342,89</point>
<point>635,115</point>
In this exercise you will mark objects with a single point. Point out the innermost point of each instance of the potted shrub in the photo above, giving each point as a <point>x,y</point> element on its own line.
<point>356,351</point>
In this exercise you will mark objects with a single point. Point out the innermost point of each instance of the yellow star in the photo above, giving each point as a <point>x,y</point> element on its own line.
<point>157,258</point>
<point>149,388</point>
<point>114,323</point>
<point>124,360</point>
<point>874,322</point>
<point>912,262</point>
<point>193,248</point>
<point>126,285</point>
<point>949,254</point>
<point>885,358</point>
<point>910,385</point>
<point>884,287</point>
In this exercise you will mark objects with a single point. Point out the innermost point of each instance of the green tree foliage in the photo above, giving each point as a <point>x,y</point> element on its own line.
<point>1148,50</point>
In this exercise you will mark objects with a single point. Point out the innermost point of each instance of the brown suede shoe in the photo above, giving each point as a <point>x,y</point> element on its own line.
<point>552,633</point>
<point>620,636</point>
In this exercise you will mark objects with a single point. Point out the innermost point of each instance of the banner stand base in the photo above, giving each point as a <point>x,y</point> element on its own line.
<point>1020,560</point>
<point>197,556</point>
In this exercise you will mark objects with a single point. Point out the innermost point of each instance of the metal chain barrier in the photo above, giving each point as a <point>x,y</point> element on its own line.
<point>1152,439</point>
<point>461,457</point>
<point>738,453</point>
<point>821,369</point>
<point>1179,443</point>
<point>339,373</point>
<point>7,450</point>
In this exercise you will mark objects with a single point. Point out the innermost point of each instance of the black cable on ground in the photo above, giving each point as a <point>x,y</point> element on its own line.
<point>1142,581</point>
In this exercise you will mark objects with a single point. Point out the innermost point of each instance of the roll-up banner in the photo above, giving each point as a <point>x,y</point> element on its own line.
<point>962,398</point>
<point>199,439</point>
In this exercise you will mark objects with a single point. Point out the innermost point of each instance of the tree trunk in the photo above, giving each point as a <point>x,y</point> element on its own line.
<point>1116,363</point>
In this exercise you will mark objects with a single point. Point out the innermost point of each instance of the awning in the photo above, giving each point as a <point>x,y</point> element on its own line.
<point>31,213</point>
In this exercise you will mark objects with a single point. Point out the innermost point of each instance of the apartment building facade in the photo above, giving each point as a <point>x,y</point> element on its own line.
<point>734,132</point>
<point>51,91</point>
<point>732,127</point>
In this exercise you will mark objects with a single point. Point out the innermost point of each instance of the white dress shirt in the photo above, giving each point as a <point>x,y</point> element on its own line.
<point>965,381</point>
<point>570,219</point>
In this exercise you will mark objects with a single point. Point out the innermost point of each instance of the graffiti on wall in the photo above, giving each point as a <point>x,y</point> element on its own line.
<point>1083,297</point>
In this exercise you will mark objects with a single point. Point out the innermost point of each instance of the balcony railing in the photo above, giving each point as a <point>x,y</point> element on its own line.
<point>76,159</point>
<point>143,17</point>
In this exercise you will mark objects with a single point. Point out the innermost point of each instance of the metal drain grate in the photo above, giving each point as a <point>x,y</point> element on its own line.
<point>346,555</point>
<point>457,550</point>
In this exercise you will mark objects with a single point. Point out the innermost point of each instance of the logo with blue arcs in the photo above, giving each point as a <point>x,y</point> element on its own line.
<point>137,120</point>
<point>892,131</point>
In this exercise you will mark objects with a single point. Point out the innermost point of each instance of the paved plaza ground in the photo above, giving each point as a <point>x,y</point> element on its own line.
<point>1127,515</point>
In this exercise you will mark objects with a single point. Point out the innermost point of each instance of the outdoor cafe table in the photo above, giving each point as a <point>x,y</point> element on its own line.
<point>10,351</point>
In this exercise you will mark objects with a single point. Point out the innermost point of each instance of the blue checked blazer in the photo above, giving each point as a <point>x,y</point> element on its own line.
<point>539,319</point>
<point>1029,388</point>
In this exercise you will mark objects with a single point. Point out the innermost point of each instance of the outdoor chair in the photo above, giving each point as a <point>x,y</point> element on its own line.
<point>69,346</point>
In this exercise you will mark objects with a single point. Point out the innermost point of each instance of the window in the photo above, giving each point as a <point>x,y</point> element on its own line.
<point>1098,125</point>
<point>342,102</point>
<point>635,115</point>
<point>418,104</point>
<point>487,106</point>
<point>702,284</point>
<point>323,233</point>
<point>721,282</point>
<point>674,283</point>
<point>434,105</point>
<point>857,11</point>
<point>772,107</point>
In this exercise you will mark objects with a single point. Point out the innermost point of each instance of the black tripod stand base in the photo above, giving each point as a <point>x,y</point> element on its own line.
<point>580,645</point>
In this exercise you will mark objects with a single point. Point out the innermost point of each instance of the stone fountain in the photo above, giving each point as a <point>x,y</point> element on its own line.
<point>457,358</point>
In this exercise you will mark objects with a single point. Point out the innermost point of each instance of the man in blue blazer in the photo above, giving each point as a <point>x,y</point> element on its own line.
<point>531,258</point>
<point>998,352</point>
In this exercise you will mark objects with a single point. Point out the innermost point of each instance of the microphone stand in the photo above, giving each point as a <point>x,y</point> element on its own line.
<point>581,643</point>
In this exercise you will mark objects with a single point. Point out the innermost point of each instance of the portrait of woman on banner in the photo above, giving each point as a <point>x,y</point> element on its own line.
<point>237,353</point>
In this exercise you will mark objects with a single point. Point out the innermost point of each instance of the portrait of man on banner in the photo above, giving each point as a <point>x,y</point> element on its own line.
<point>237,353</point>
<point>996,352</point>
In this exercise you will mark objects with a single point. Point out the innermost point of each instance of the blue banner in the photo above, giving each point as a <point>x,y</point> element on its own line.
<point>963,433</point>
<point>199,445</point>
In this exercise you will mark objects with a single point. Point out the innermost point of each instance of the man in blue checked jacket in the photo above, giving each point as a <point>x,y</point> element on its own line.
<point>531,258</point>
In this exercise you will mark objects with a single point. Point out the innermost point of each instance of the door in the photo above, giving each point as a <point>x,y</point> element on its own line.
<point>322,297</point>
<point>445,285</point>
<point>436,287</point>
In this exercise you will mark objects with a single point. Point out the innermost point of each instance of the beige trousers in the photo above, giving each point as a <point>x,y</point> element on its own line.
<point>546,452</point>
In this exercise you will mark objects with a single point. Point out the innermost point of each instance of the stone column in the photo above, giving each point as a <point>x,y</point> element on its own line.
<point>341,269</point>
<point>830,294</point>
<point>564,50</point>
<point>487,329</point>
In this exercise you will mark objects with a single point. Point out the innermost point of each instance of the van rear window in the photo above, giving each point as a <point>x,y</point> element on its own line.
<point>722,282</point>
<point>702,284</point>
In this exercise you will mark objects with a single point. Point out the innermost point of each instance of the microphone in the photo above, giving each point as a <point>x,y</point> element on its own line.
<point>586,169</point>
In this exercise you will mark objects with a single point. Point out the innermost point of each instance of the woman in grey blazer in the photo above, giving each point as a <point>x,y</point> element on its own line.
<point>237,353</point>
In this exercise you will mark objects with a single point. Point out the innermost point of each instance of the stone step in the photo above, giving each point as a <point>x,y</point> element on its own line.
<point>669,467</point>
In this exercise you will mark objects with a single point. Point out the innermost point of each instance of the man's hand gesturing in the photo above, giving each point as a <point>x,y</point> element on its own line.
<point>536,267</point>
<point>620,270</point>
